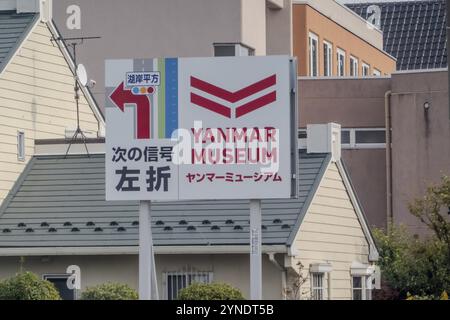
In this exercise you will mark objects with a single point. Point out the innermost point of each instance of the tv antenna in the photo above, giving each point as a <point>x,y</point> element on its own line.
<point>80,77</point>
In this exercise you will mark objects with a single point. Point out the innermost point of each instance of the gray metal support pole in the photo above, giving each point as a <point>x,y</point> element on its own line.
<point>147,272</point>
<point>255,250</point>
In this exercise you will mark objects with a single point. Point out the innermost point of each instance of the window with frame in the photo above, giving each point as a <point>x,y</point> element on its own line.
<point>376,72</point>
<point>175,281</point>
<point>327,59</point>
<point>363,138</point>
<point>313,55</point>
<point>21,145</point>
<point>365,70</point>
<point>341,62</point>
<point>317,287</point>
<point>353,66</point>
<point>60,282</point>
<point>362,287</point>
<point>355,138</point>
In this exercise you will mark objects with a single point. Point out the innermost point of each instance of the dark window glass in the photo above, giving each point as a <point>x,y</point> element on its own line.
<point>371,136</point>
<point>357,282</point>
<point>313,53</point>
<point>61,285</point>
<point>175,283</point>
<point>224,51</point>
<point>357,288</point>
<point>345,137</point>
<point>357,294</point>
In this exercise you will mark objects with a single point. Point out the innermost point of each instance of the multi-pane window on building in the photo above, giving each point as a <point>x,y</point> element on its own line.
<point>327,59</point>
<point>363,138</point>
<point>362,288</point>
<point>317,286</point>
<point>313,55</point>
<point>353,66</point>
<point>341,62</point>
<point>355,138</point>
<point>365,70</point>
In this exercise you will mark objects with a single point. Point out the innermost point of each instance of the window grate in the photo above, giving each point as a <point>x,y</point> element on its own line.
<point>21,146</point>
<point>317,286</point>
<point>175,281</point>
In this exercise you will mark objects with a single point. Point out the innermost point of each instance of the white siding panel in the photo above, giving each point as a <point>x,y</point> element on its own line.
<point>15,68</point>
<point>331,232</point>
<point>36,96</point>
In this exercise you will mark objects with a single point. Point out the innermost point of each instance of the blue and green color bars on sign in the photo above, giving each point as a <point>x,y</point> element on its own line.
<point>165,122</point>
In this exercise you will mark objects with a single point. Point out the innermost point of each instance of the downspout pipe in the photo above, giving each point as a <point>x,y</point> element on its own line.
<point>387,113</point>
<point>448,50</point>
<point>283,273</point>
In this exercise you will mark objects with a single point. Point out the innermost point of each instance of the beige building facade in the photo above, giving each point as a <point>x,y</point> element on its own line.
<point>331,40</point>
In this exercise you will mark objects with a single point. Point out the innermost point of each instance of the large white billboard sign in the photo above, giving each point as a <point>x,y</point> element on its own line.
<point>200,128</point>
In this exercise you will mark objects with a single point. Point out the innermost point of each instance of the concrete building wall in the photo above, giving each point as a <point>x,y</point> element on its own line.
<point>279,29</point>
<point>367,170</point>
<point>36,97</point>
<point>178,28</point>
<point>253,24</point>
<point>353,103</point>
<point>231,269</point>
<point>307,19</point>
<point>331,233</point>
<point>420,139</point>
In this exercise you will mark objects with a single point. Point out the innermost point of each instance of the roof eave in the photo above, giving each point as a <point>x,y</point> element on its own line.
<point>12,53</point>
<point>373,250</point>
<point>133,250</point>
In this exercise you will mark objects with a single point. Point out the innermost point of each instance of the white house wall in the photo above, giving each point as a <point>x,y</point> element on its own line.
<point>331,232</point>
<point>231,269</point>
<point>36,96</point>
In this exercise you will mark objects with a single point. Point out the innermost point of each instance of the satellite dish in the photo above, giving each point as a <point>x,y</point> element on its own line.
<point>82,74</point>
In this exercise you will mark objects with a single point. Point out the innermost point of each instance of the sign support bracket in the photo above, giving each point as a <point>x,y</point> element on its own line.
<point>148,289</point>
<point>255,250</point>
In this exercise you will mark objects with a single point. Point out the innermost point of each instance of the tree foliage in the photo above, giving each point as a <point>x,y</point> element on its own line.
<point>411,265</point>
<point>416,267</point>
<point>110,291</point>
<point>27,286</point>
<point>212,291</point>
<point>432,210</point>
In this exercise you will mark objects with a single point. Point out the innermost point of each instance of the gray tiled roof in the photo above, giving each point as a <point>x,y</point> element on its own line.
<point>60,202</point>
<point>414,32</point>
<point>13,28</point>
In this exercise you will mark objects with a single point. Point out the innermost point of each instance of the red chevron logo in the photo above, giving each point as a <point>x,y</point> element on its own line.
<point>233,97</point>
